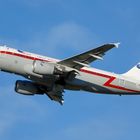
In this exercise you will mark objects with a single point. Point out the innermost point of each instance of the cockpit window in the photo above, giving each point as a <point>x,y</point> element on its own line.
<point>20,51</point>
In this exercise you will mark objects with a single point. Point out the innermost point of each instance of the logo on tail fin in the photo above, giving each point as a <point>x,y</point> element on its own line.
<point>138,66</point>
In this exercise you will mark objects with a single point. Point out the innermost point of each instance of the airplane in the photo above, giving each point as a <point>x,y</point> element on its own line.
<point>51,76</point>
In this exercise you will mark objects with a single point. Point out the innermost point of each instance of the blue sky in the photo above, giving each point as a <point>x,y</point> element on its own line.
<point>60,29</point>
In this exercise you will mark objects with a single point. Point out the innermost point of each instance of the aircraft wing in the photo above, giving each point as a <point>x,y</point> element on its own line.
<point>86,58</point>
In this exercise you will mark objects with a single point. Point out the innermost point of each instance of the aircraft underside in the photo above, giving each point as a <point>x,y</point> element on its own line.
<point>51,77</point>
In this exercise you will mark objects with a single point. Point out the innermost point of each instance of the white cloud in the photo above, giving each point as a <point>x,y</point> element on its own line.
<point>62,39</point>
<point>70,35</point>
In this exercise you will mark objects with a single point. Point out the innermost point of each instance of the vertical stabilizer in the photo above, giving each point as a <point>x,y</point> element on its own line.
<point>134,72</point>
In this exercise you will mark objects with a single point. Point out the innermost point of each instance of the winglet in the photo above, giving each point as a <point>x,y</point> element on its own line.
<point>117,44</point>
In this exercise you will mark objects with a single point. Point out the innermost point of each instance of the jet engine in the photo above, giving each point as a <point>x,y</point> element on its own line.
<point>46,68</point>
<point>27,88</point>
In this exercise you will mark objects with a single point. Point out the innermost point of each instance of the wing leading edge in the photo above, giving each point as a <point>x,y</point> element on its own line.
<point>88,57</point>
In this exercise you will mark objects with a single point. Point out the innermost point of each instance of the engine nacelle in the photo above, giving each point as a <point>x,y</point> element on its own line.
<point>26,88</point>
<point>45,68</point>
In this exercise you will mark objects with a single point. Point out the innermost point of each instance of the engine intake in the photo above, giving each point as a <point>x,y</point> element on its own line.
<point>45,68</point>
<point>26,88</point>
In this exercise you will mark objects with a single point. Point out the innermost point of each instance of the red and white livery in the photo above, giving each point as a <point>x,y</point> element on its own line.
<point>52,76</point>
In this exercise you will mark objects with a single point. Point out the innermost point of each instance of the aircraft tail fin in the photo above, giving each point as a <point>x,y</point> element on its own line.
<point>134,72</point>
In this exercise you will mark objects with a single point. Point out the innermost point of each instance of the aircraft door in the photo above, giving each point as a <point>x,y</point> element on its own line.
<point>122,82</point>
<point>0,52</point>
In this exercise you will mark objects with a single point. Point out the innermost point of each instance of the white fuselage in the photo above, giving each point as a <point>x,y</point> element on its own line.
<point>88,79</point>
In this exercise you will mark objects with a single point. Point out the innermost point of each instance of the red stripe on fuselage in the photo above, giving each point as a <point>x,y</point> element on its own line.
<point>107,84</point>
<point>23,56</point>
